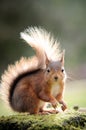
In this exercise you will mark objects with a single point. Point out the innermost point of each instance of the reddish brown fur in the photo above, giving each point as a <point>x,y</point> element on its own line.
<point>31,82</point>
<point>37,87</point>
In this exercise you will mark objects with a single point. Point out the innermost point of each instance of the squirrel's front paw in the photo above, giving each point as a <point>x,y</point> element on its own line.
<point>54,103</point>
<point>64,106</point>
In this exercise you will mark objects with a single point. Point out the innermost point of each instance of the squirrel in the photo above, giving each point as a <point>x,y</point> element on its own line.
<point>31,82</point>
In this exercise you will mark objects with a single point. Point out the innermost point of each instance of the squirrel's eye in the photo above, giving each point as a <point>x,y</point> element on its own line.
<point>62,70</point>
<point>48,70</point>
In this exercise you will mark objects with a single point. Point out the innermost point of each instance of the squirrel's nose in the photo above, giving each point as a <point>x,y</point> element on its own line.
<point>56,78</point>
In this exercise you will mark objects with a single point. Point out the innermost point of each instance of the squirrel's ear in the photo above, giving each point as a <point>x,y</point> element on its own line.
<point>46,60</point>
<point>62,57</point>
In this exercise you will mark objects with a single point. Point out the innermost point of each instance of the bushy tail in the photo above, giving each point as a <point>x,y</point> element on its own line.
<point>44,45</point>
<point>14,73</point>
<point>42,42</point>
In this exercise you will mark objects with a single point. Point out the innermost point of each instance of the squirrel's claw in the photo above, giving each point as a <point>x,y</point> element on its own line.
<point>55,104</point>
<point>64,106</point>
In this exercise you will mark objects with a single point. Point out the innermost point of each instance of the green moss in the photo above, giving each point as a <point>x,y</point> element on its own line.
<point>62,121</point>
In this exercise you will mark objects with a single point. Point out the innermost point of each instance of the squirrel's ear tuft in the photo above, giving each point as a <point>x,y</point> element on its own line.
<point>62,57</point>
<point>46,60</point>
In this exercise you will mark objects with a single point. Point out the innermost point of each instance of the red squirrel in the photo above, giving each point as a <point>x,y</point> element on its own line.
<point>31,82</point>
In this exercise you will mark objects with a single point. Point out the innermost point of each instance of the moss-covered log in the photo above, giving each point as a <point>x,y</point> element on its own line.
<point>61,121</point>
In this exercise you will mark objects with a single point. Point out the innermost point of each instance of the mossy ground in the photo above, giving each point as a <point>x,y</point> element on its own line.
<point>69,120</point>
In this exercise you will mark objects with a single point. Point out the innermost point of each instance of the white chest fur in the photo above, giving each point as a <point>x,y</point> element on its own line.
<point>55,90</point>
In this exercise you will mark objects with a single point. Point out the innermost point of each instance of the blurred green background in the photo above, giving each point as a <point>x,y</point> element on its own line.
<point>66,19</point>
